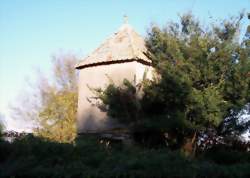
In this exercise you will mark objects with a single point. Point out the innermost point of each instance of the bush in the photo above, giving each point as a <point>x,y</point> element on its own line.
<point>36,157</point>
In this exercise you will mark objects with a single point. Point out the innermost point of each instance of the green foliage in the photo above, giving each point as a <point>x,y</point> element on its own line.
<point>122,100</point>
<point>202,77</point>
<point>51,102</point>
<point>35,157</point>
<point>220,155</point>
<point>57,119</point>
<point>209,70</point>
<point>57,115</point>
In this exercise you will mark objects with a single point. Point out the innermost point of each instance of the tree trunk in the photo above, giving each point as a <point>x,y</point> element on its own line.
<point>189,147</point>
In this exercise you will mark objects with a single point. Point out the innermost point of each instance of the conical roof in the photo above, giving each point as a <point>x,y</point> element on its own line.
<point>125,45</point>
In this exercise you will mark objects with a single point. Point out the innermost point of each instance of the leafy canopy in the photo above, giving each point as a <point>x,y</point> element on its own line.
<point>201,78</point>
<point>57,115</point>
<point>52,102</point>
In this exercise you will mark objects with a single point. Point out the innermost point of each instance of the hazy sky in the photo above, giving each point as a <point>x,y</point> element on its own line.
<point>31,31</point>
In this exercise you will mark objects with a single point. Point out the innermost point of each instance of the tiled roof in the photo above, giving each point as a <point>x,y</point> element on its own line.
<point>125,45</point>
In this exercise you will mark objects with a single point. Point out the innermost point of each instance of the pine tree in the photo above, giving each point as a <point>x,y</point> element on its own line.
<point>202,78</point>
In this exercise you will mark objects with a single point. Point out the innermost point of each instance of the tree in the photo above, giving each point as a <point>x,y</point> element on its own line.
<point>52,102</point>
<point>202,77</point>
<point>59,102</point>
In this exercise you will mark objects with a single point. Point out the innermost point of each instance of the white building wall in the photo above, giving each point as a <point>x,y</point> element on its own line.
<point>89,116</point>
<point>142,70</point>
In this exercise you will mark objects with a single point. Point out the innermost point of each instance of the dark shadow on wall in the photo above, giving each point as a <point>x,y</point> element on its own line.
<point>95,119</point>
<point>92,119</point>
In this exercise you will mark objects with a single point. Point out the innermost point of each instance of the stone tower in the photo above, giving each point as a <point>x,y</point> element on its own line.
<point>120,56</point>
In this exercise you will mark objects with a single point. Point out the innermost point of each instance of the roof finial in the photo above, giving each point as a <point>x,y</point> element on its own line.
<point>125,18</point>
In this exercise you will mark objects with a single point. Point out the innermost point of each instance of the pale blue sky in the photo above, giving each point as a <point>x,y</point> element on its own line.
<point>31,31</point>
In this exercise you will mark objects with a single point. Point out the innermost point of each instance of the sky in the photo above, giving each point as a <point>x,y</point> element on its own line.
<point>31,32</point>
